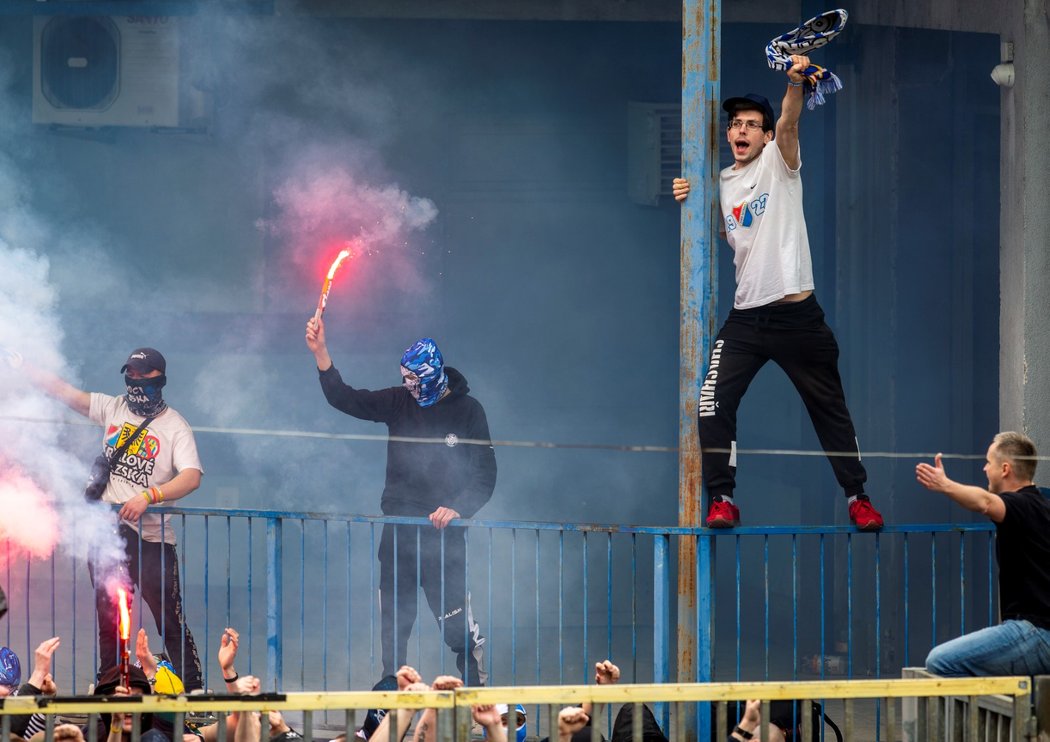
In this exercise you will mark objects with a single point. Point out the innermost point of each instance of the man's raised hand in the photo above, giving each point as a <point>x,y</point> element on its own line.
<point>606,673</point>
<point>42,661</point>
<point>143,654</point>
<point>932,477</point>
<point>406,676</point>
<point>228,651</point>
<point>797,71</point>
<point>446,682</point>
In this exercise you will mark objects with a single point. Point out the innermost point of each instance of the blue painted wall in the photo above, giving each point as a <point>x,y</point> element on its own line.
<point>553,292</point>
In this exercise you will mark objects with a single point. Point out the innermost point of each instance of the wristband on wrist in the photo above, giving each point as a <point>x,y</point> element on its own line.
<point>159,493</point>
<point>116,727</point>
<point>234,679</point>
<point>742,733</point>
<point>793,84</point>
<point>145,494</point>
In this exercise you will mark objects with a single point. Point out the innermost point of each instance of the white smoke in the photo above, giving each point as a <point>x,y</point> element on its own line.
<point>41,473</point>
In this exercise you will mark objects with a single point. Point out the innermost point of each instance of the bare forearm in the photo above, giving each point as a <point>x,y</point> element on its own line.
<point>426,729</point>
<point>324,361</point>
<point>790,109</point>
<point>210,733</point>
<point>496,732</point>
<point>57,388</point>
<point>404,719</point>
<point>182,484</point>
<point>248,727</point>
<point>972,498</point>
<point>787,127</point>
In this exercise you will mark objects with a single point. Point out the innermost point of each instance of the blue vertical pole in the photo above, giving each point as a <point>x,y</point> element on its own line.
<point>274,601</point>
<point>701,50</point>
<point>661,617</point>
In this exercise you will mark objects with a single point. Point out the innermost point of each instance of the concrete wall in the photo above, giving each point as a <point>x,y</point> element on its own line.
<point>1025,242</point>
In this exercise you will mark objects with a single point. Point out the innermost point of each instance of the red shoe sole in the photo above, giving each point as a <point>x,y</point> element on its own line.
<point>722,523</point>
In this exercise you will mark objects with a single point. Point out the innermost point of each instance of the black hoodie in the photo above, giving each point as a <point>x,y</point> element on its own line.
<point>421,477</point>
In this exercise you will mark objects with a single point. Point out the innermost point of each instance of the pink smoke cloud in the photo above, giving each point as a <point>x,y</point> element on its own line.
<point>28,521</point>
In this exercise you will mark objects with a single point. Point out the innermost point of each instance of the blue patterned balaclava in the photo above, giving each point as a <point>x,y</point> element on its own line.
<point>423,370</point>
<point>10,668</point>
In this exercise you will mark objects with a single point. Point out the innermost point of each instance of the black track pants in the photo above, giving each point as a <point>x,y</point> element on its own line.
<point>446,592</point>
<point>796,338</point>
<point>157,576</point>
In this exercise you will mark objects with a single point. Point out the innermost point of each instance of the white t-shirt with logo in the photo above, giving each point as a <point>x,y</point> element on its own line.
<point>762,210</point>
<point>163,449</point>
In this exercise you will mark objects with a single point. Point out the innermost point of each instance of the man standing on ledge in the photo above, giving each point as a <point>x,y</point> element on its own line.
<point>160,465</point>
<point>1020,644</point>
<point>775,314</point>
<point>440,481</point>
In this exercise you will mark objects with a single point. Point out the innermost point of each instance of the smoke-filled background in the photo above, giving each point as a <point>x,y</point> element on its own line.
<point>484,168</point>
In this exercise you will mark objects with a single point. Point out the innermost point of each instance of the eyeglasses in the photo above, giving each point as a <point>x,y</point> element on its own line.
<point>750,124</point>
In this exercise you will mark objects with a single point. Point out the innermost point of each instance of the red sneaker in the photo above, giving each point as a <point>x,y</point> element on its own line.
<point>722,514</point>
<point>864,515</point>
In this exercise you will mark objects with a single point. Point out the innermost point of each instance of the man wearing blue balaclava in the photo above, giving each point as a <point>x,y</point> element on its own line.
<point>443,481</point>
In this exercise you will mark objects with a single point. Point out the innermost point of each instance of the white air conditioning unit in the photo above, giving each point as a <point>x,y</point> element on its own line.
<point>106,71</point>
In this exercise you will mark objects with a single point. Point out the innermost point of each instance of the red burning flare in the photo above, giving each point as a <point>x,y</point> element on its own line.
<point>124,607</point>
<point>327,286</point>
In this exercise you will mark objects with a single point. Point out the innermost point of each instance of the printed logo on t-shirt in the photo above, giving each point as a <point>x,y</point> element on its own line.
<point>744,214</point>
<point>138,460</point>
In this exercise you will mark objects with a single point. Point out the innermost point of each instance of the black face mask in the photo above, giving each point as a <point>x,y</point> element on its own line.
<point>144,395</point>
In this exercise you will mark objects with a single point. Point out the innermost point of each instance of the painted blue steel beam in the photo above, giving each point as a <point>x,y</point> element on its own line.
<point>701,52</point>
<point>661,616</point>
<point>531,525</point>
<point>274,602</point>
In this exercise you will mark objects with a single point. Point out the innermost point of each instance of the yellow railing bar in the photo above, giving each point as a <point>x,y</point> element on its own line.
<point>542,694</point>
<point>194,704</point>
<point>770,691</point>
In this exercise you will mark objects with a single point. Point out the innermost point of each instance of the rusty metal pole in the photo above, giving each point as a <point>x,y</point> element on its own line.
<point>701,50</point>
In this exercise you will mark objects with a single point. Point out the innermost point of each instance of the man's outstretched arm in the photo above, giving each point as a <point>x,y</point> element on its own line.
<point>75,399</point>
<point>790,112</point>
<point>977,499</point>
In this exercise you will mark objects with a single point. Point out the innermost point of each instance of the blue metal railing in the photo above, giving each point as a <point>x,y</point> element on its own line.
<point>552,598</point>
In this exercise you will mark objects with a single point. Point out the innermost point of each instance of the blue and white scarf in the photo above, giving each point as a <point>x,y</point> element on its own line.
<point>813,34</point>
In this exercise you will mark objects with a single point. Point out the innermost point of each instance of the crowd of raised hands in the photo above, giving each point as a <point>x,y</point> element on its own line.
<point>573,721</point>
<point>240,727</point>
<point>408,679</point>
